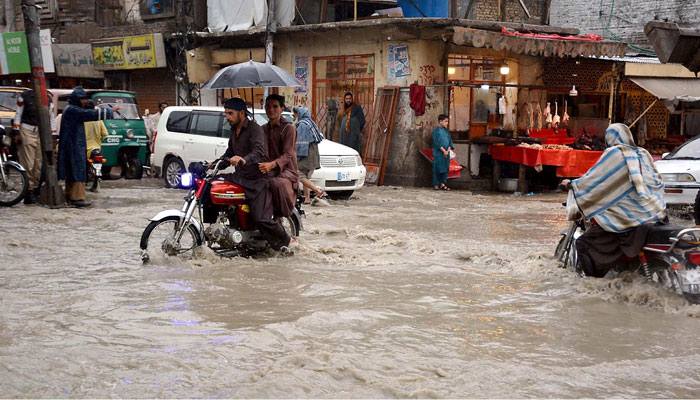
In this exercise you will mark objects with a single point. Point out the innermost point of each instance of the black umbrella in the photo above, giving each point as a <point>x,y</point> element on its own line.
<point>251,74</point>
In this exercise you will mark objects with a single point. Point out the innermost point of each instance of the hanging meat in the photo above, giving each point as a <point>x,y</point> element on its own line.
<point>555,118</point>
<point>538,111</point>
<point>548,116</point>
<point>565,116</point>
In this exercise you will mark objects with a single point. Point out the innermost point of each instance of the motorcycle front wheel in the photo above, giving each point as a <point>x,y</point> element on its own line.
<point>158,239</point>
<point>14,187</point>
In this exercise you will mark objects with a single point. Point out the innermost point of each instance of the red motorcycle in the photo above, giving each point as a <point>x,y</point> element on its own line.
<point>229,232</point>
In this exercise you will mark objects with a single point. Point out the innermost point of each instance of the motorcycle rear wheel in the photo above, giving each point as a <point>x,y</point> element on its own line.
<point>158,239</point>
<point>14,187</point>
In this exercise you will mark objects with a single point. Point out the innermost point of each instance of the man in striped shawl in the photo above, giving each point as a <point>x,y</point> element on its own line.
<point>621,193</point>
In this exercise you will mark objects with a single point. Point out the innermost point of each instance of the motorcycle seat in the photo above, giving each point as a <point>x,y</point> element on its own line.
<point>662,233</point>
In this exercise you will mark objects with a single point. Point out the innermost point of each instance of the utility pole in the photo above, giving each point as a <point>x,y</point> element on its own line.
<point>51,193</point>
<point>271,29</point>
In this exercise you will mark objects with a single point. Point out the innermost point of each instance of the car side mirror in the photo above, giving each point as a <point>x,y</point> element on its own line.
<point>664,155</point>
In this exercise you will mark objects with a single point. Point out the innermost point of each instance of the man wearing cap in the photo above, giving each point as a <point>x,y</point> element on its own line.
<point>281,165</point>
<point>246,149</point>
<point>25,131</point>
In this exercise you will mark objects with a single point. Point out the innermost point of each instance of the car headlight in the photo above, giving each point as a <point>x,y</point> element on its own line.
<point>130,134</point>
<point>677,178</point>
<point>186,180</point>
<point>359,160</point>
<point>6,141</point>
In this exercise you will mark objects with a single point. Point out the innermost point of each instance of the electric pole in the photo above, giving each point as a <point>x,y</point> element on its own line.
<point>271,29</point>
<point>51,193</point>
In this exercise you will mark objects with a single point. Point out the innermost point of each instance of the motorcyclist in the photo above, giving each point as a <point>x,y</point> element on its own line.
<point>246,149</point>
<point>621,195</point>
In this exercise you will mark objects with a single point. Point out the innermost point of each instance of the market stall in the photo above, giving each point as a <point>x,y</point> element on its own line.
<point>569,163</point>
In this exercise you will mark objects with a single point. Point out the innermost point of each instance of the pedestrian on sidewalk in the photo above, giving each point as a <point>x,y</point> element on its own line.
<point>442,145</point>
<point>308,159</point>
<point>352,124</point>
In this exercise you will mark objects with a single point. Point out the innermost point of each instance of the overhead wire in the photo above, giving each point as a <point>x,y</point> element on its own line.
<point>615,37</point>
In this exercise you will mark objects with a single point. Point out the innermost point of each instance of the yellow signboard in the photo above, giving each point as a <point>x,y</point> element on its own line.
<point>132,52</point>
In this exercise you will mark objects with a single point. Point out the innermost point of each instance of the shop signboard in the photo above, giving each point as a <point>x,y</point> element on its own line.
<point>132,52</point>
<point>75,61</point>
<point>14,53</point>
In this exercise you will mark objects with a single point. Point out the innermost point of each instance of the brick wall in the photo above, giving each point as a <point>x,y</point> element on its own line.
<point>627,19</point>
<point>488,10</point>
<point>162,26</point>
<point>153,86</point>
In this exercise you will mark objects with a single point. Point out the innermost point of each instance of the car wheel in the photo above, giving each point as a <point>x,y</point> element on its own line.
<point>341,194</point>
<point>171,172</point>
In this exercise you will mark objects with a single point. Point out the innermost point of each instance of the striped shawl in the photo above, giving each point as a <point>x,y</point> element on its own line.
<point>623,189</point>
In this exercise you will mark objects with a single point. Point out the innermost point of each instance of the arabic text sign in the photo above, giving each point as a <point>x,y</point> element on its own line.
<point>131,52</point>
<point>75,60</point>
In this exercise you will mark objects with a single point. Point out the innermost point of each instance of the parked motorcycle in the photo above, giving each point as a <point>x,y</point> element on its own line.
<point>94,168</point>
<point>670,257</point>
<point>230,233</point>
<point>14,183</point>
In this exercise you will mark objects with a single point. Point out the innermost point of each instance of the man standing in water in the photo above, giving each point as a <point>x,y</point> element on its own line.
<point>352,124</point>
<point>246,151</point>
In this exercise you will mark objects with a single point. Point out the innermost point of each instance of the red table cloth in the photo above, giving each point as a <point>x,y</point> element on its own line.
<point>552,136</point>
<point>570,163</point>
<point>455,168</point>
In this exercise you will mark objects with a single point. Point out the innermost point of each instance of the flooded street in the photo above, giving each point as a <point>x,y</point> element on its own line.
<point>397,292</point>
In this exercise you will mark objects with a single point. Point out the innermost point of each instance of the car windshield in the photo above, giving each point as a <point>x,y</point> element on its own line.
<point>129,109</point>
<point>261,117</point>
<point>688,151</point>
<point>8,101</point>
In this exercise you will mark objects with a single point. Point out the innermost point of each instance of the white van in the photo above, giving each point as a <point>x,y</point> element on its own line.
<point>198,133</point>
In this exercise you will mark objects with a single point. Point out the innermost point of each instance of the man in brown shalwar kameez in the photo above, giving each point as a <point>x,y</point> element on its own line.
<point>246,149</point>
<point>281,165</point>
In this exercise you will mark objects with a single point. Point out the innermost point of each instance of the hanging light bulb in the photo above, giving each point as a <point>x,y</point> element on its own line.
<point>573,92</point>
<point>451,70</point>
<point>505,69</point>
<point>485,86</point>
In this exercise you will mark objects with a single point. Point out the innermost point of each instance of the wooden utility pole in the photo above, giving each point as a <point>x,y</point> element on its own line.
<point>612,94</point>
<point>271,29</point>
<point>51,193</point>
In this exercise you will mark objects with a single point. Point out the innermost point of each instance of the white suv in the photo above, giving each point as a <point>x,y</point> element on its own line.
<point>189,134</point>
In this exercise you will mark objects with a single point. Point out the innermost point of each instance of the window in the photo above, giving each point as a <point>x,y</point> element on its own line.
<point>156,8</point>
<point>206,124</point>
<point>178,121</point>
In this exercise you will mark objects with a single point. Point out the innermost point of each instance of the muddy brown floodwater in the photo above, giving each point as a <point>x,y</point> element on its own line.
<point>398,292</point>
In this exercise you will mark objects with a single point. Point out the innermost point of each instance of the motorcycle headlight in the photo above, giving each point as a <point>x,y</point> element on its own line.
<point>186,180</point>
<point>130,134</point>
<point>6,141</point>
<point>359,160</point>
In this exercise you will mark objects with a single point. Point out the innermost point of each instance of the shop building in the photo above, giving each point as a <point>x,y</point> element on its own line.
<point>458,62</point>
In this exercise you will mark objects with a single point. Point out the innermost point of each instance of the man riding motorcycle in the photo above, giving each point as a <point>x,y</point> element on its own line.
<point>622,194</point>
<point>246,149</point>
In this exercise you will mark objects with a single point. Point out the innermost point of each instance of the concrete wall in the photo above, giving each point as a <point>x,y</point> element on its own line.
<point>626,19</point>
<point>405,165</point>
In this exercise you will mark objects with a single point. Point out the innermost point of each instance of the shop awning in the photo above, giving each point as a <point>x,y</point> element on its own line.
<point>671,89</point>
<point>538,45</point>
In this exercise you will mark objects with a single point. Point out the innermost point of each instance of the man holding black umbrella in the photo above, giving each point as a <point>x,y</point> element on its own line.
<point>246,150</point>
